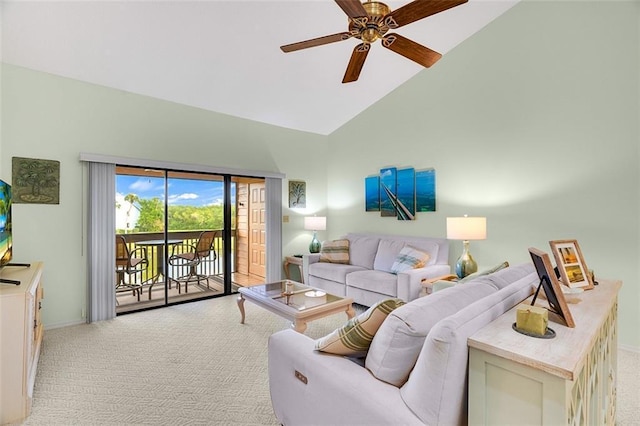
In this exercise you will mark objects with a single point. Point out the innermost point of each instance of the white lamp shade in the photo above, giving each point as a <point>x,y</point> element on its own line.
<point>466,228</point>
<point>315,223</point>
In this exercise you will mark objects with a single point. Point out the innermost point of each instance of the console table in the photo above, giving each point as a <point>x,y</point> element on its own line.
<point>20,339</point>
<point>566,380</point>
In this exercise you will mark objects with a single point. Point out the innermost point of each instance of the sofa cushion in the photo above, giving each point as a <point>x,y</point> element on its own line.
<point>354,338</point>
<point>409,258</point>
<point>397,344</point>
<point>375,281</point>
<point>362,250</point>
<point>332,271</point>
<point>488,271</point>
<point>507,276</point>
<point>388,250</point>
<point>336,251</point>
<point>442,284</point>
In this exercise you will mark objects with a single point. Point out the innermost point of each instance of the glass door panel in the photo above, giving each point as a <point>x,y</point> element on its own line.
<point>195,207</point>
<point>140,221</point>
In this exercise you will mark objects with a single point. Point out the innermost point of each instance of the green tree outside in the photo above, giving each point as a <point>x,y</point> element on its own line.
<point>181,218</point>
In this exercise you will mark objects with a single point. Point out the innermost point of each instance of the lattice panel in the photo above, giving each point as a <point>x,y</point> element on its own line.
<point>593,394</point>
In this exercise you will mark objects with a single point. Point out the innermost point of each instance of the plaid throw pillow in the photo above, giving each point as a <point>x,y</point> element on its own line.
<point>409,258</point>
<point>354,338</point>
<point>336,251</point>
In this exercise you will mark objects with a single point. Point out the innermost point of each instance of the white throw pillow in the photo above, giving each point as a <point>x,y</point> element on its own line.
<point>409,258</point>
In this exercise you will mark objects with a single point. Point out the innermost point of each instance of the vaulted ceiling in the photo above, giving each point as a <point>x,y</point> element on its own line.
<point>224,56</point>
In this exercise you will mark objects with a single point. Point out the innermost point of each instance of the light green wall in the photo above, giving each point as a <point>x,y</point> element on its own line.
<point>533,123</point>
<point>54,118</point>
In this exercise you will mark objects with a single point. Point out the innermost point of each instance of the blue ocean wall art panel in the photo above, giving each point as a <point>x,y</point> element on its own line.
<point>406,194</point>
<point>372,193</point>
<point>387,191</point>
<point>426,190</point>
<point>401,193</point>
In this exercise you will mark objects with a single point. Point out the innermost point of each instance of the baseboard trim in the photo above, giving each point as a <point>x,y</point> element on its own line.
<point>629,348</point>
<point>64,324</point>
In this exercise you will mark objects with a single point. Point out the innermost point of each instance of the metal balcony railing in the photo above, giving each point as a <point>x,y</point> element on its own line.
<point>154,242</point>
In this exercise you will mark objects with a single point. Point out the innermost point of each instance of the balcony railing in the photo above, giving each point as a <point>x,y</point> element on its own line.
<point>211,266</point>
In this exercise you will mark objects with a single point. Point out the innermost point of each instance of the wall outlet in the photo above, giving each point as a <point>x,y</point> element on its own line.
<point>285,219</point>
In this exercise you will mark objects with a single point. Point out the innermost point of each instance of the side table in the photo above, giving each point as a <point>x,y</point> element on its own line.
<point>427,283</point>
<point>293,260</point>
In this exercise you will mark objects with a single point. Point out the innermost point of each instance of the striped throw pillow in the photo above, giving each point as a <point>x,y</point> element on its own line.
<point>354,338</point>
<point>409,258</point>
<point>336,251</point>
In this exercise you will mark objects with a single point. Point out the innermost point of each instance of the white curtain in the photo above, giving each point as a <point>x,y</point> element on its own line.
<point>273,217</point>
<point>101,242</point>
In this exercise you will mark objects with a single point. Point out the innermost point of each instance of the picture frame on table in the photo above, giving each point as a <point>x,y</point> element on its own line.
<point>551,286</point>
<point>571,265</point>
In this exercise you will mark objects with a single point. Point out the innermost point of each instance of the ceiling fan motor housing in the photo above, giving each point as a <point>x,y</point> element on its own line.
<point>372,27</point>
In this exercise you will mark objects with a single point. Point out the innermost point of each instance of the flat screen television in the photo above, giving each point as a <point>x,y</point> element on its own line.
<point>6,241</point>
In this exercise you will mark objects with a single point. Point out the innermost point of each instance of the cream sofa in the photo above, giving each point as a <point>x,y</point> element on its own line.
<point>420,347</point>
<point>367,278</point>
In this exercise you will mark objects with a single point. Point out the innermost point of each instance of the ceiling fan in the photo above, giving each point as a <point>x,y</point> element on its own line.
<point>370,21</point>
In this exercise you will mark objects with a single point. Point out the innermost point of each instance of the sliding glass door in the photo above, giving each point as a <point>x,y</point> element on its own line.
<point>196,233</point>
<point>200,235</point>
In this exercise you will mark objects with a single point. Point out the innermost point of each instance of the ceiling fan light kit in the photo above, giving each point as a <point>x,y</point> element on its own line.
<point>370,21</point>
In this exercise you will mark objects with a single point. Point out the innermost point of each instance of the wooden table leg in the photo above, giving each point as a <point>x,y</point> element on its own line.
<point>299,326</point>
<point>241,307</point>
<point>350,312</point>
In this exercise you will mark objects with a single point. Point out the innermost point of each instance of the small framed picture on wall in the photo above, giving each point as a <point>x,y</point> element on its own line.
<point>571,265</point>
<point>297,194</point>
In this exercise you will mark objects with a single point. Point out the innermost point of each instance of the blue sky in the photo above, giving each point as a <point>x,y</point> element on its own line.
<point>181,191</point>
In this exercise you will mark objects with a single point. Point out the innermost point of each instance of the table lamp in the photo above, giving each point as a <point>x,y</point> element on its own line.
<point>315,223</point>
<point>466,228</point>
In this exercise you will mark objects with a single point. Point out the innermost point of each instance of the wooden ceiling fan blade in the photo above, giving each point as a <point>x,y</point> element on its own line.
<point>315,42</point>
<point>356,62</point>
<point>353,8</point>
<point>417,10</point>
<point>411,50</point>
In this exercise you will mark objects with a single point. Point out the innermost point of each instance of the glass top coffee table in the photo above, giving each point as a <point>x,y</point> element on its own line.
<point>294,301</point>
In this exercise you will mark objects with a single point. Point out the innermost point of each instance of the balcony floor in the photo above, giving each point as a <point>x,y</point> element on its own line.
<point>127,302</point>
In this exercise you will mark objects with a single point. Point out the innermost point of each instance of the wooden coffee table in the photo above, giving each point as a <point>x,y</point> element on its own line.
<point>294,301</point>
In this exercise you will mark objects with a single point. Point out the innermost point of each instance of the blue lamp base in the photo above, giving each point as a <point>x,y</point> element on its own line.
<point>465,264</point>
<point>314,247</point>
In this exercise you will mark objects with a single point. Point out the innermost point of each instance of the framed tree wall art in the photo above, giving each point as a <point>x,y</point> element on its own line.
<point>297,194</point>
<point>35,181</point>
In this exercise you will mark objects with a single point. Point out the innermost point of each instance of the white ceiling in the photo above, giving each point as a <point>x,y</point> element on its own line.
<point>224,56</point>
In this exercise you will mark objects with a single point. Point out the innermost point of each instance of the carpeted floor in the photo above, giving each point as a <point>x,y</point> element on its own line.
<point>189,364</point>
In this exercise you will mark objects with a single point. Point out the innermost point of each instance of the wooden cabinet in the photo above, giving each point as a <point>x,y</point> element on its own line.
<point>20,339</point>
<point>567,380</point>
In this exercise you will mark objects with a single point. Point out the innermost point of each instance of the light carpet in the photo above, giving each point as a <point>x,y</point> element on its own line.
<point>191,364</point>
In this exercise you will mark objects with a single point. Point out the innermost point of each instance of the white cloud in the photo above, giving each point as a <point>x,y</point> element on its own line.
<point>187,196</point>
<point>142,185</point>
